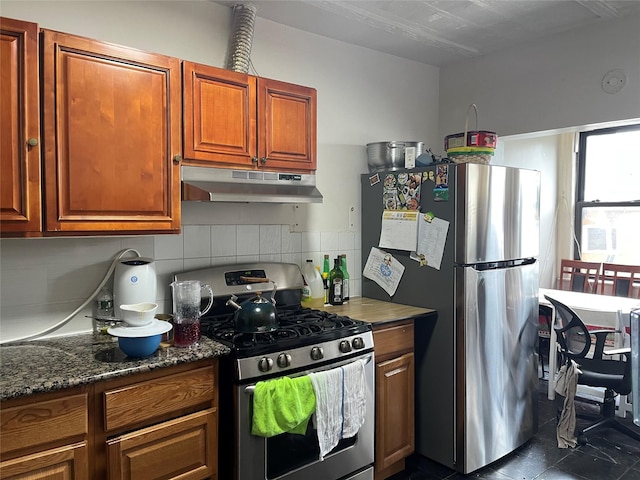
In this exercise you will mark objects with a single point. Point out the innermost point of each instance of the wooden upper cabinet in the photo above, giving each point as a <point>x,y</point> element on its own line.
<point>236,120</point>
<point>112,137</point>
<point>286,125</point>
<point>20,201</point>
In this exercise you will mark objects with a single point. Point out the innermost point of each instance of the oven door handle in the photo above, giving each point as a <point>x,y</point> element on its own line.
<point>251,388</point>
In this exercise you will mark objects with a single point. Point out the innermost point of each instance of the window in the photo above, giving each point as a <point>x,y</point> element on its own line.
<point>608,196</point>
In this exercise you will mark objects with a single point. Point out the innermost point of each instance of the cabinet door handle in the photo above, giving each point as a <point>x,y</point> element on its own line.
<point>254,160</point>
<point>32,142</point>
<point>263,160</point>
<point>177,159</point>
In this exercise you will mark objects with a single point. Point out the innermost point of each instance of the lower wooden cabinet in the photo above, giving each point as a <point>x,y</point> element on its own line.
<point>161,424</point>
<point>184,447</point>
<point>395,401</point>
<point>69,462</point>
<point>45,437</point>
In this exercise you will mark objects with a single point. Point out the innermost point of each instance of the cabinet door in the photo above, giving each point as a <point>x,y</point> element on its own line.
<point>20,202</point>
<point>112,125</point>
<point>219,116</point>
<point>184,448</point>
<point>65,463</point>
<point>395,432</point>
<point>286,126</point>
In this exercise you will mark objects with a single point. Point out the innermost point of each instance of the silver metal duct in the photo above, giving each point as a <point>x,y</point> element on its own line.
<point>244,16</point>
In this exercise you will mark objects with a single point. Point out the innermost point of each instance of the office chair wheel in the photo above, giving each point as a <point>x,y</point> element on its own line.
<point>582,440</point>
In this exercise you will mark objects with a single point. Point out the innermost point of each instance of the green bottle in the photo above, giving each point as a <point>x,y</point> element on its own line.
<point>326,270</point>
<point>345,281</point>
<point>336,279</point>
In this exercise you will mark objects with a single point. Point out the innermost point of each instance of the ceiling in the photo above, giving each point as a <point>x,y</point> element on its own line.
<point>439,32</point>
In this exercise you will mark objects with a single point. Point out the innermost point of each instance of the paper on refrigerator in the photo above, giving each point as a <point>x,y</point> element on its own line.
<point>383,269</point>
<point>432,237</point>
<point>399,229</point>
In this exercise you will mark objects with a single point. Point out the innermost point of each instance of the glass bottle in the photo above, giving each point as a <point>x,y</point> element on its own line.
<point>326,269</point>
<point>336,279</point>
<point>104,310</point>
<point>345,274</point>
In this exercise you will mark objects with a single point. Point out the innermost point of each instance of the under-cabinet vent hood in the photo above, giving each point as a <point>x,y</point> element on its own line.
<point>225,185</point>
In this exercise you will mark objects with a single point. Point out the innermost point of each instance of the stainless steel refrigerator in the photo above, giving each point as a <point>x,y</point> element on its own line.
<point>476,366</point>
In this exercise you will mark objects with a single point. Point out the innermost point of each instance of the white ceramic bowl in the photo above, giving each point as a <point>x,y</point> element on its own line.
<point>138,314</point>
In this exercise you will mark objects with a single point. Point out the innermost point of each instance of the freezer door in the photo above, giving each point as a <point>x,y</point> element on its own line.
<point>497,213</point>
<point>497,369</point>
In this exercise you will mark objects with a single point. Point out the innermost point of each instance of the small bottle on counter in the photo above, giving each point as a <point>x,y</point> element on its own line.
<point>336,279</point>
<point>326,269</point>
<point>345,274</point>
<point>104,310</point>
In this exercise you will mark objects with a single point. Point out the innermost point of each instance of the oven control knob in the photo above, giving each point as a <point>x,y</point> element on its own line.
<point>358,343</point>
<point>345,346</point>
<point>265,364</point>
<point>317,353</point>
<point>284,360</point>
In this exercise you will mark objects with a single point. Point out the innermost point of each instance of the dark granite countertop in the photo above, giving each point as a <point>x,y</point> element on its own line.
<point>56,363</point>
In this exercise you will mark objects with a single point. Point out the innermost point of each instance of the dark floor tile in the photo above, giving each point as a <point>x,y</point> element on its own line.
<point>609,454</point>
<point>630,474</point>
<point>590,467</point>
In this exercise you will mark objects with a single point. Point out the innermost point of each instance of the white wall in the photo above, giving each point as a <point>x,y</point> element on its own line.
<point>546,85</point>
<point>363,97</point>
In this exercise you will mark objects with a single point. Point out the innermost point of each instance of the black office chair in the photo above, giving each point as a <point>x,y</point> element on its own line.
<point>613,375</point>
<point>544,334</point>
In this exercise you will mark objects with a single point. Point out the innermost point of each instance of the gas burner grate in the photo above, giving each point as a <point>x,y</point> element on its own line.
<point>298,327</point>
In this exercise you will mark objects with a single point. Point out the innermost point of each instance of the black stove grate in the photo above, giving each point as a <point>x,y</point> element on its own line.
<point>297,327</point>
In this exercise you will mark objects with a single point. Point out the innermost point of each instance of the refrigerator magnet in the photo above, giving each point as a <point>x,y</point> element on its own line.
<point>440,194</point>
<point>374,179</point>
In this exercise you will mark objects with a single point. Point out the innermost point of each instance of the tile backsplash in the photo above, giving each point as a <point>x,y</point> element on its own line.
<point>45,280</point>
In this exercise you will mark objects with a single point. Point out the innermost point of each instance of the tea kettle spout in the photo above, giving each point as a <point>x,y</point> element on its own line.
<point>232,303</point>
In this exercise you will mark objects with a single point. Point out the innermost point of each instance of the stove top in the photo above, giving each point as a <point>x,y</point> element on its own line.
<point>305,339</point>
<point>298,327</point>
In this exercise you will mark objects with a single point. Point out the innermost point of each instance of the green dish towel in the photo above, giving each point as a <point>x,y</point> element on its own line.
<point>282,405</point>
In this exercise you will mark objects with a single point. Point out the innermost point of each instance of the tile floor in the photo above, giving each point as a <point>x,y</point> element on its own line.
<point>608,455</point>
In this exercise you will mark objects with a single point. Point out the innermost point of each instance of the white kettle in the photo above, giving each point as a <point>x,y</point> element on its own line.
<point>134,282</point>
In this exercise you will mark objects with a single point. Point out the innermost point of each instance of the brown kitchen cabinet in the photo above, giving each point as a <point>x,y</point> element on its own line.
<point>395,404</point>
<point>45,437</point>
<point>159,425</point>
<point>111,137</point>
<point>237,120</point>
<point>20,199</point>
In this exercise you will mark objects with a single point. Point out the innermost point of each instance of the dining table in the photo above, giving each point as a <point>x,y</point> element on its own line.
<point>599,310</point>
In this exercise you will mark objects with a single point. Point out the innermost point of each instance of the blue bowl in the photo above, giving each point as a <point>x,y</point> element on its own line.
<point>139,346</point>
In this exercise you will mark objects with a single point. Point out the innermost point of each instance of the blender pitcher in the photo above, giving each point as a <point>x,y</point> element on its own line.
<point>187,302</point>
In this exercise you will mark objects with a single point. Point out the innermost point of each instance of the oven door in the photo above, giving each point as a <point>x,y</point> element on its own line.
<point>296,457</point>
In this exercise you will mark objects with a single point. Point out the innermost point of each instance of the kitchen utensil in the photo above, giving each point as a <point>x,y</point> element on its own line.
<point>140,341</point>
<point>187,310</point>
<point>134,282</point>
<point>138,314</point>
<point>390,155</point>
<point>257,314</point>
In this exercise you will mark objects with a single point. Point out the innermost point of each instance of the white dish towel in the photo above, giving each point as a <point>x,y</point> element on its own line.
<point>340,404</point>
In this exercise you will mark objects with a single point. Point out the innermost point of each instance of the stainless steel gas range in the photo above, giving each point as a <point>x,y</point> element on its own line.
<point>305,341</point>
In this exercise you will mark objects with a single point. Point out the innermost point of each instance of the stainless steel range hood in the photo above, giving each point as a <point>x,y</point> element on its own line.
<point>225,185</point>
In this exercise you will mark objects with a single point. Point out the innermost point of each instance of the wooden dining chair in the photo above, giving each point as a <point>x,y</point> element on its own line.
<point>620,280</point>
<point>579,276</point>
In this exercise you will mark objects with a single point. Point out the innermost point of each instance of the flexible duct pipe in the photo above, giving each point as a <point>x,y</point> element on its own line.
<point>244,16</point>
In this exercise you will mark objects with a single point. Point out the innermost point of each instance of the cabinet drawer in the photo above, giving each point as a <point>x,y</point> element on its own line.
<point>180,448</point>
<point>151,399</point>
<point>43,422</point>
<point>394,339</point>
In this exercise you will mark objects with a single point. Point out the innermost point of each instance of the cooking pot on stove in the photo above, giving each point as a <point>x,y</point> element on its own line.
<point>257,314</point>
